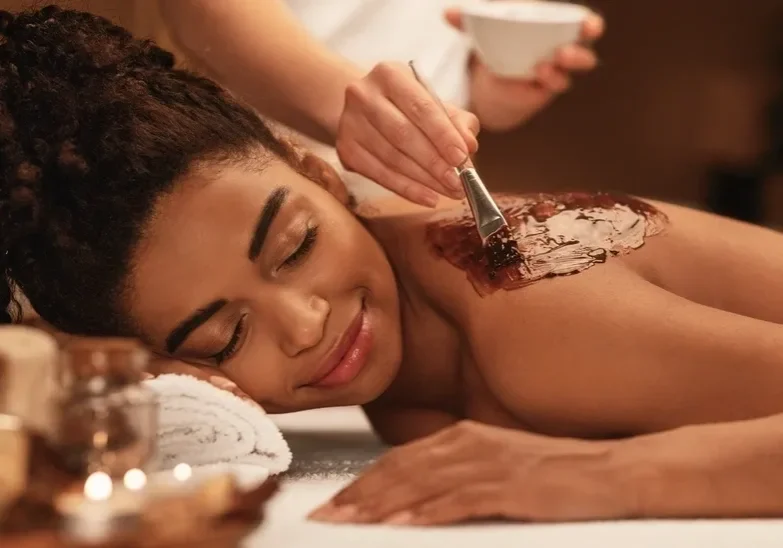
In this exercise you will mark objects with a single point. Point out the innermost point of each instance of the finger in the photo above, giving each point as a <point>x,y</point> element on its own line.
<point>404,135</point>
<point>453,17</point>
<point>552,79</point>
<point>396,160</point>
<point>224,383</point>
<point>364,163</point>
<point>575,58</point>
<point>387,472</point>
<point>592,28</point>
<point>482,500</point>
<point>444,452</point>
<point>162,366</point>
<point>425,113</point>
<point>421,486</point>
<point>467,124</point>
<point>394,466</point>
<point>528,89</point>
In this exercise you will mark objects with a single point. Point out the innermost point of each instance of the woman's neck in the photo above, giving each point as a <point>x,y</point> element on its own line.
<point>429,375</point>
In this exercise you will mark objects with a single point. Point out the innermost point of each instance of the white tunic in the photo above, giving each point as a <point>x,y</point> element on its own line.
<point>370,31</point>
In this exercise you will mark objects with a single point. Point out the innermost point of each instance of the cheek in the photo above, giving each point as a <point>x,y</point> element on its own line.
<point>261,378</point>
<point>352,256</point>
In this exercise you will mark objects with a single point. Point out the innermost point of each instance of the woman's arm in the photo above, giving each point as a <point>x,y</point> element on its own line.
<point>257,49</point>
<point>729,470</point>
<point>470,471</point>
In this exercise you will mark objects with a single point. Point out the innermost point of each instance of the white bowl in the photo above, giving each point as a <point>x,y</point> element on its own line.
<point>512,37</point>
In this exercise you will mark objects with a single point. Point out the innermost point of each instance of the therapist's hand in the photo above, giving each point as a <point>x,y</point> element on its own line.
<point>502,104</point>
<point>394,133</point>
<point>473,471</point>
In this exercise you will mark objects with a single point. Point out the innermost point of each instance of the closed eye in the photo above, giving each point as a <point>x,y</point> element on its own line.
<point>233,344</point>
<point>304,248</point>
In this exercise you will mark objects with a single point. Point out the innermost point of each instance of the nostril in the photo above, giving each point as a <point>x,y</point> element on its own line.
<point>319,305</point>
<point>304,323</point>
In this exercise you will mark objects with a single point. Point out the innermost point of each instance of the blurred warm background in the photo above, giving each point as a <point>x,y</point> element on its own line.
<point>679,109</point>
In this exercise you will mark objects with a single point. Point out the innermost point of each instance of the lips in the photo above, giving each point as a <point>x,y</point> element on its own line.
<point>348,357</point>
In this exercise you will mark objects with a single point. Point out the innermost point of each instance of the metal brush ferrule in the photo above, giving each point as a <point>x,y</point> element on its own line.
<point>488,217</point>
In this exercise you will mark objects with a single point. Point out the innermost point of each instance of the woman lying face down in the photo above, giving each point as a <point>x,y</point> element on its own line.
<point>141,200</point>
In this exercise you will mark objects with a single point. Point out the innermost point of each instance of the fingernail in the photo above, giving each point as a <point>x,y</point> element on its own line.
<point>404,517</point>
<point>456,156</point>
<point>322,511</point>
<point>331,513</point>
<point>222,382</point>
<point>349,511</point>
<point>341,514</point>
<point>453,181</point>
<point>474,144</point>
<point>429,199</point>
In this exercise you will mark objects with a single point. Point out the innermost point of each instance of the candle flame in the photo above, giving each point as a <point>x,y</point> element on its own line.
<point>183,471</point>
<point>134,479</point>
<point>98,486</point>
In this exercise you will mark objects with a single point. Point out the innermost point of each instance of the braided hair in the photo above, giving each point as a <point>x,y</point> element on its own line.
<point>95,126</point>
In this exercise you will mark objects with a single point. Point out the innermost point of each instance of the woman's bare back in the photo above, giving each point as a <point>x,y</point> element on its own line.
<point>684,329</point>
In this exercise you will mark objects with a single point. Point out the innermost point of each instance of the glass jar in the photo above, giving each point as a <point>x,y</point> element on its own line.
<point>108,418</point>
<point>31,471</point>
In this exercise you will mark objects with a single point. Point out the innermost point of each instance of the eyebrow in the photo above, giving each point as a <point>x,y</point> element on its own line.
<point>180,333</point>
<point>268,213</point>
<point>270,210</point>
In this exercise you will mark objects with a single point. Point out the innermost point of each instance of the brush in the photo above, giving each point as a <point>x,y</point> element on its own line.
<point>499,246</point>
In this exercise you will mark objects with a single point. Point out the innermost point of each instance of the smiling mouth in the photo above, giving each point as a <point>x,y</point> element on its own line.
<point>349,356</point>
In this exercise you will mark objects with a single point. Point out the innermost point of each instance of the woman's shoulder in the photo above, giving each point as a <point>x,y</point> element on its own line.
<point>437,254</point>
<point>439,251</point>
<point>404,230</point>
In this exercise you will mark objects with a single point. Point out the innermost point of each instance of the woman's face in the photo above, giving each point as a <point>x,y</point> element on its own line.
<point>268,278</point>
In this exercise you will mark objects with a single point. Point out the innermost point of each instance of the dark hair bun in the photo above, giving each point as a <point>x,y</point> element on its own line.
<point>95,126</point>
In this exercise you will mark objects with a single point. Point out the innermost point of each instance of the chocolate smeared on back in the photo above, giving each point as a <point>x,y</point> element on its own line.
<point>556,235</point>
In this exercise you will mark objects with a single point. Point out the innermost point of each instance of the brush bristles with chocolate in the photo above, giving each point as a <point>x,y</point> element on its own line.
<point>502,250</point>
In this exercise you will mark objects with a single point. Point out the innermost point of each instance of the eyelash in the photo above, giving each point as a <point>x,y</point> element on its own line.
<point>231,347</point>
<point>304,248</point>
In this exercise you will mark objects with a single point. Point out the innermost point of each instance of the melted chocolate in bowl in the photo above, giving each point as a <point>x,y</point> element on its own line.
<point>557,235</point>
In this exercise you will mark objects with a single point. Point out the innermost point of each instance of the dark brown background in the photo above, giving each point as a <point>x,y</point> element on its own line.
<point>682,86</point>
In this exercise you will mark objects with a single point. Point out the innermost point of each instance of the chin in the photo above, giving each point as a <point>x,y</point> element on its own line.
<point>368,386</point>
<point>378,379</point>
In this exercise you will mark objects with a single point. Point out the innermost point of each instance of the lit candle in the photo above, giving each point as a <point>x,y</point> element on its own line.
<point>182,472</point>
<point>178,480</point>
<point>134,479</point>
<point>103,509</point>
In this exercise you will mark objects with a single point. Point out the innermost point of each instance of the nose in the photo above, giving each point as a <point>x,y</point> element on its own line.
<point>303,320</point>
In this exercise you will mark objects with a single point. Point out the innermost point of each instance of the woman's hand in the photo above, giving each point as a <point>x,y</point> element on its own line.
<point>503,104</point>
<point>394,133</point>
<point>161,366</point>
<point>472,471</point>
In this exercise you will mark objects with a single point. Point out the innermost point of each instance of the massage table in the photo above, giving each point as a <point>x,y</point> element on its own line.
<point>331,445</point>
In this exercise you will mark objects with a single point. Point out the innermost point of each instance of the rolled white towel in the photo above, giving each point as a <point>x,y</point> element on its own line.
<point>201,424</point>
